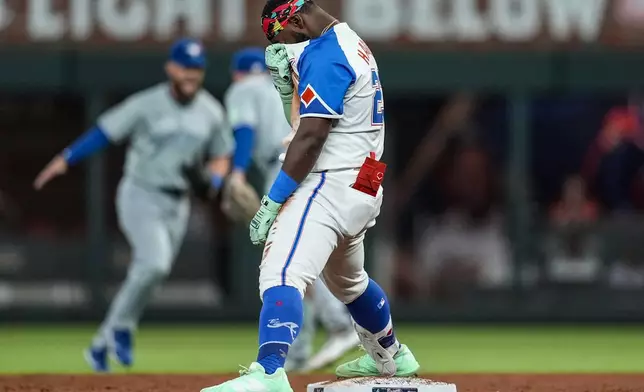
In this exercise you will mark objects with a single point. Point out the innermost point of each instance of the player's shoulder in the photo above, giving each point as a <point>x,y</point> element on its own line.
<point>249,85</point>
<point>334,47</point>
<point>327,46</point>
<point>210,103</point>
<point>149,94</point>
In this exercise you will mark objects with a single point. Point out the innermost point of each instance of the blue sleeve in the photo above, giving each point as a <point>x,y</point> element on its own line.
<point>244,139</point>
<point>87,144</point>
<point>324,84</point>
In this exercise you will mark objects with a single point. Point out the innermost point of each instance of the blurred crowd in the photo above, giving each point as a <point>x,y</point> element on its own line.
<point>585,191</point>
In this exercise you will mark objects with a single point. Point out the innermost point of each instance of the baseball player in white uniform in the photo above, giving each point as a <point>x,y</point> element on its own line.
<point>170,127</point>
<point>328,193</point>
<point>259,126</point>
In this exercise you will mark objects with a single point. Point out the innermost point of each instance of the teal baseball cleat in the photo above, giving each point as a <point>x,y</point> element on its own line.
<point>255,379</point>
<point>365,366</point>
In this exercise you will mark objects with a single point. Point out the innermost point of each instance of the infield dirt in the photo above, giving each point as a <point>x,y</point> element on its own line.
<point>193,383</point>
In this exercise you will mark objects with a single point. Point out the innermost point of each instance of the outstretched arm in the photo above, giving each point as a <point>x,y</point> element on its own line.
<point>113,126</point>
<point>86,145</point>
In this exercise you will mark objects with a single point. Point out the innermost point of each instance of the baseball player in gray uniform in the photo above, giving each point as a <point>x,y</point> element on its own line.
<point>170,127</point>
<point>259,126</point>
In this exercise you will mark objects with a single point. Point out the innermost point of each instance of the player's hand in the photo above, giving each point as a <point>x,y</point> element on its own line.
<point>57,167</point>
<point>263,220</point>
<point>237,177</point>
<point>280,70</point>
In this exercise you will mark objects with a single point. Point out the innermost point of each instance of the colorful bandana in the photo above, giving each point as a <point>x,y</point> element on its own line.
<point>274,22</point>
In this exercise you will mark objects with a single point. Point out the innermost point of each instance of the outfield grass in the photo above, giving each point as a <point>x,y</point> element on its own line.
<point>216,349</point>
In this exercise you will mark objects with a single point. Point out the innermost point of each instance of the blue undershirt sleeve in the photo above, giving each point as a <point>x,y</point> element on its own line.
<point>244,140</point>
<point>87,144</point>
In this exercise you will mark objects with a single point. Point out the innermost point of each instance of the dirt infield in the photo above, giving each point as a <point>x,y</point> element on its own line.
<point>193,383</point>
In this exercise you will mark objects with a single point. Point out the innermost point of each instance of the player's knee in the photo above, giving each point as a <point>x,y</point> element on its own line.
<point>264,286</point>
<point>150,271</point>
<point>272,278</point>
<point>347,288</point>
<point>147,275</point>
<point>153,261</point>
<point>160,270</point>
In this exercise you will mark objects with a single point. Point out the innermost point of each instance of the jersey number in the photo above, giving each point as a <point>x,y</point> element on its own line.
<point>378,117</point>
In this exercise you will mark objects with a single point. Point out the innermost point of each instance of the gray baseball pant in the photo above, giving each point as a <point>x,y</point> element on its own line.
<point>154,223</point>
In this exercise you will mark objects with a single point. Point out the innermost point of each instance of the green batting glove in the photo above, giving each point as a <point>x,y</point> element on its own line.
<point>280,70</point>
<point>263,220</point>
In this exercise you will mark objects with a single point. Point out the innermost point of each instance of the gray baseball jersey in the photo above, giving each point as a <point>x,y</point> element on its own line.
<point>254,102</point>
<point>166,136</point>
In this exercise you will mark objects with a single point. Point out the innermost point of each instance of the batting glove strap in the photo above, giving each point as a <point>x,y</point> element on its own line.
<point>270,205</point>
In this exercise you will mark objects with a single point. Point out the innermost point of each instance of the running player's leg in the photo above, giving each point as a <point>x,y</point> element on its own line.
<point>332,313</point>
<point>177,224</point>
<point>302,347</point>
<point>141,220</point>
<point>336,320</point>
<point>368,304</point>
<point>298,246</point>
<point>320,304</point>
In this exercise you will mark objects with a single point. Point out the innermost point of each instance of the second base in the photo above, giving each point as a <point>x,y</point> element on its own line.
<point>382,384</point>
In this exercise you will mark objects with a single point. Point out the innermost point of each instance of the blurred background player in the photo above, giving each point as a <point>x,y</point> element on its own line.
<point>614,162</point>
<point>170,126</point>
<point>256,116</point>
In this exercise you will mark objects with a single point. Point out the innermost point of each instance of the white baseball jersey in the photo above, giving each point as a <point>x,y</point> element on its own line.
<point>339,80</point>
<point>165,136</point>
<point>254,102</point>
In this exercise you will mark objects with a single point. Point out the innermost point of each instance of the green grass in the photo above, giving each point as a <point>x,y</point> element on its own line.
<point>203,349</point>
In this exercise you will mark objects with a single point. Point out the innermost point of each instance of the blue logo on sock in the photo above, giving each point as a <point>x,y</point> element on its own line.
<point>292,327</point>
<point>389,340</point>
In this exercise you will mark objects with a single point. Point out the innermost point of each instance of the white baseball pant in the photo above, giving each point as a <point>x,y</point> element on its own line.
<point>320,232</point>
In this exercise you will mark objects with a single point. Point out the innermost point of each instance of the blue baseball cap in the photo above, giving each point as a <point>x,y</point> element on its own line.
<point>249,60</point>
<point>188,53</point>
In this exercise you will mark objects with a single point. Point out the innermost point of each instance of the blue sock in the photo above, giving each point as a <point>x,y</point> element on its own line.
<point>279,324</point>
<point>371,312</point>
